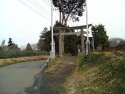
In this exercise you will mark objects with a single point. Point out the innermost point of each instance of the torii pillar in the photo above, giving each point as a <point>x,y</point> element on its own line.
<point>61,44</point>
<point>82,42</point>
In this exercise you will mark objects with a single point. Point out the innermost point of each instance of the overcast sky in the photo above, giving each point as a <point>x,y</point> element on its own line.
<point>23,21</point>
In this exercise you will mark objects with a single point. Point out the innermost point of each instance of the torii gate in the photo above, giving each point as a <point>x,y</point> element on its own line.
<point>61,34</point>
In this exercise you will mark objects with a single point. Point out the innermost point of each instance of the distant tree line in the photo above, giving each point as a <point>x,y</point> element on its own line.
<point>113,42</point>
<point>12,50</point>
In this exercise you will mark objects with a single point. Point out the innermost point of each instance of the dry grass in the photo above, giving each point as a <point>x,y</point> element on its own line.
<point>98,76</point>
<point>4,62</point>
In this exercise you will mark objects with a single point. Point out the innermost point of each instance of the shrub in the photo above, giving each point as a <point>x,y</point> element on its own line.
<point>106,74</point>
<point>17,53</point>
<point>95,58</point>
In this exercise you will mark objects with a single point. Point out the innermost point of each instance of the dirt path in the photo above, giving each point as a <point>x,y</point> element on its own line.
<point>51,80</point>
<point>55,78</point>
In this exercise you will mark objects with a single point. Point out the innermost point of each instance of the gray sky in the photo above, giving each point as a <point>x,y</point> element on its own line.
<point>24,25</point>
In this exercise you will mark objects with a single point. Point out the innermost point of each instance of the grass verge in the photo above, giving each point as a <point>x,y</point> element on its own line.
<point>98,73</point>
<point>5,62</point>
<point>53,62</point>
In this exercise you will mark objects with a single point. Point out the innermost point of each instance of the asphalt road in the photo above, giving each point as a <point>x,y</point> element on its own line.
<point>14,79</point>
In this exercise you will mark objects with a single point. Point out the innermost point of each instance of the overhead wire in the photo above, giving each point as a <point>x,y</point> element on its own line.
<point>41,3</point>
<point>48,3</point>
<point>54,9</point>
<point>38,4</point>
<point>33,9</point>
<point>39,8</point>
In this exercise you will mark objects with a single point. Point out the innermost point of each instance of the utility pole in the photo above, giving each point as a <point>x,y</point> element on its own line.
<point>87,41</point>
<point>60,11</point>
<point>52,53</point>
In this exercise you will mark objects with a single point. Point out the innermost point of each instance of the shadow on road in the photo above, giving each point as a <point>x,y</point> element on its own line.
<point>51,82</point>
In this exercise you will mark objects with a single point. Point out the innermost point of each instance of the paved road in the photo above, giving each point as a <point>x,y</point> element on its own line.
<point>14,79</point>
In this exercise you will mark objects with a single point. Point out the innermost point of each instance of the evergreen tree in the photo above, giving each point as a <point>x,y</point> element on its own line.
<point>28,47</point>
<point>10,42</point>
<point>70,42</point>
<point>44,41</point>
<point>100,37</point>
<point>12,45</point>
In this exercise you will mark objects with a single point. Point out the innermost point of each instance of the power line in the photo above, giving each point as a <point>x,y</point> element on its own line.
<point>37,4</point>
<point>38,7</point>
<point>42,4</point>
<point>31,8</point>
<point>47,2</point>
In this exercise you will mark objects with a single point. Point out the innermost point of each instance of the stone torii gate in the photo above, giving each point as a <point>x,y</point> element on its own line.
<point>62,32</point>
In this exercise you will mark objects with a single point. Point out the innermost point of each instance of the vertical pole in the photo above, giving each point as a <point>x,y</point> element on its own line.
<point>60,11</point>
<point>87,41</point>
<point>63,42</point>
<point>52,27</point>
<point>93,43</point>
<point>82,42</point>
<point>60,44</point>
<point>52,41</point>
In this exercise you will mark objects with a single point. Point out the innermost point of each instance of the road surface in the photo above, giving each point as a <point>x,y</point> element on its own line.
<point>14,79</point>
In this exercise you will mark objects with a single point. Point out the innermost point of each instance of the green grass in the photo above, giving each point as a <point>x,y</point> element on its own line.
<point>102,73</point>
<point>53,62</point>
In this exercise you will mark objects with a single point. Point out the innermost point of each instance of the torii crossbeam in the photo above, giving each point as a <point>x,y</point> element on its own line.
<point>61,34</point>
